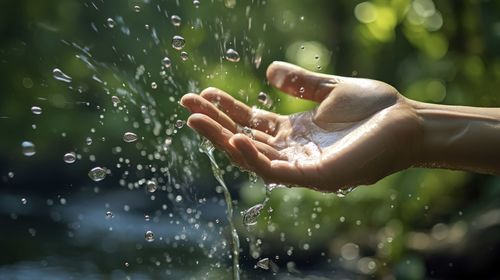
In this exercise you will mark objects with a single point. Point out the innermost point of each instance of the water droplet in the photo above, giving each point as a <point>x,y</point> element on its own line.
<point>252,177</point>
<point>116,100</point>
<point>196,3</point>
<point>28,148</point>
<point>267,264</point>
<point>263,263</point>
<point>180,123</point>
<point>154,85</point>
<point>149,236</point>
<point>166,62</point>
<point>250,215</point>
<point>36,110</point>
<point>24,201</point>
<point>262,97</point>
<point>88,141</point>
<point>10,174</point>
<point>97,174</point>
<point>137,8</point>
<point>206,146</point>
<point>129,137</point>
<point>230,3</point>
<point>127,264</point>
<point>248,132</point>
<point>146,217</point>
<point>232,55</point>
<point>178,198</point>
<point>302,47</point>
<point>151,186</point>
<point>175,20</point>
<point>271,186</point>
<point>184,56</point>
<point>344,192</point>
<point>109,215</point>
<point>168,141</point>
<point>302,89</point>
<point>178,42</point>
<point>69,157</point>
<point>111,23</point>
<point>316,57</point>
<point>60,75</point>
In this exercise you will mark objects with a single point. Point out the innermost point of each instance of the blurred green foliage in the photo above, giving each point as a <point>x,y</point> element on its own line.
<point>434,51</point>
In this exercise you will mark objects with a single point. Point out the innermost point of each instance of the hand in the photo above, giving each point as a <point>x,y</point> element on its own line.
<point>361,131</point>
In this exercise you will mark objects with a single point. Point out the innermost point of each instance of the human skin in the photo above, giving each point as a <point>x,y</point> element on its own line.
<point>361,131</point>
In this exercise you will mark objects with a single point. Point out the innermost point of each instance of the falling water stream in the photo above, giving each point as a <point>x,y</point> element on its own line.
<point>207,148</point>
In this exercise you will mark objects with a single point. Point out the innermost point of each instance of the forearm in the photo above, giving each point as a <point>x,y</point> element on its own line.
<point>457,137</point>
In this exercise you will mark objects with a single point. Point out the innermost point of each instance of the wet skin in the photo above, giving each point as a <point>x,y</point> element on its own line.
<point>353,137</point>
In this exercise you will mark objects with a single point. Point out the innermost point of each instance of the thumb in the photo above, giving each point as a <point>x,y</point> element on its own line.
<point>300,82</point>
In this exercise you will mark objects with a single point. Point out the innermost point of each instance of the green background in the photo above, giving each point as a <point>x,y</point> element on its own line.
<point>414,224</point>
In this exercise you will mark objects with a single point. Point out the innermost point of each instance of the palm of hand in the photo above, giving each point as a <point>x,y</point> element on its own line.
<point>350,138</point>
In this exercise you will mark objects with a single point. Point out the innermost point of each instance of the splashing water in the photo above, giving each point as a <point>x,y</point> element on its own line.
<point>151,186</point>
<point>116,100</point>
<point>166,62</point>
<point>118,97</point>
<point>175,20</point>
<point>184,56</point>
<point>267,264</point>
<point>178,42</point>
<point>109,215</point>
<point>36,110</point>
<point>129,137</point>
<point>69,157</point>
<point>343,192</point>
<point>111,22</point>
<point>149,236</point>
<point>61,76</point>
<point>97,174</point>
<point>232,55</point>
<point>207,148</point>
<point>264,99</point>
<point>251,214</point>
<point>28,148</point>
<point>180,123</point>
<point>248,132</point>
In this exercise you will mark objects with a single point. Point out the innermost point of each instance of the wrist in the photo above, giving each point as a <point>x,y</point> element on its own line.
<point>458,137</point>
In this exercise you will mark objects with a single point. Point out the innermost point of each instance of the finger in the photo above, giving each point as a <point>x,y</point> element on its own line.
<point>275,171</point>
<point>300,82</point>
<point>269,151</point>
<point>196,104</point>
<point>241,113</point>
<point>217,134</point>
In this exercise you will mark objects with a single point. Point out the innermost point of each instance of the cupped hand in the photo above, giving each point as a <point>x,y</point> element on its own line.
<point>361,131</point>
